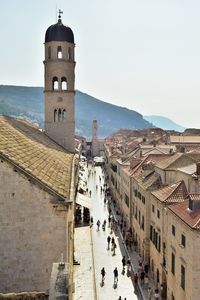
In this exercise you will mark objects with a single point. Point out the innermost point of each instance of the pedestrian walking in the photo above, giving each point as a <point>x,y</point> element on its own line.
<point>142,275</point>
<point>115,275</point>
<point>123,262</point>
<point>112,240</point>
<point>91,221</point>
<point>114,246</point>
<point>135,280</point>
<point>146,280</point>
<point>120,298</point>
<point>146,268</point>
<point>156,294</point>
<point>103,273</point>
<point>140,268</point>
<point>108,241</point>
<point>128,265</point>
<point>98,225</point>
<point>90,193</point>
<point>109,220</point>
<point>149,293</point>
<point>139,259</point>
<point>111,227</point>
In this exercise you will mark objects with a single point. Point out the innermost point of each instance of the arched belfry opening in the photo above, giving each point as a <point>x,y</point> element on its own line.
<point>55,84</point>
<point>63,84</point>
<point>59,52</point>
<point>59,70</point>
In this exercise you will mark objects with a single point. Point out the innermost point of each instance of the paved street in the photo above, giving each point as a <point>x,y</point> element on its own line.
<point>102,256</point>
<point>84,273</point>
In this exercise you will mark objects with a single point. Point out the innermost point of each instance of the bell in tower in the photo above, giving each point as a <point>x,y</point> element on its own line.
<point>59,76</point>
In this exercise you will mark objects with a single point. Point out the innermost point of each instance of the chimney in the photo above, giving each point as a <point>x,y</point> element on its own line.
<point>198,168</point>
<point>182,149</point>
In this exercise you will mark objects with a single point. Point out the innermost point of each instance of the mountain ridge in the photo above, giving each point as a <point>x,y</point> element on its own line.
<point>28,102</point>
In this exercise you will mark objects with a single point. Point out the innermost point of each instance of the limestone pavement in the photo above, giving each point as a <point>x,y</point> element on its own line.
<point>91,251</point>
<point>102,256</point>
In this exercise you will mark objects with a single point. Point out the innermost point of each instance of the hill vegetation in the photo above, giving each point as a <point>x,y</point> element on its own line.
<point>28,102</point>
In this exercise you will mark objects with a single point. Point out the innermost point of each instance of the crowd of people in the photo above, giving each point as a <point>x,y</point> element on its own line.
<point>115,224</point>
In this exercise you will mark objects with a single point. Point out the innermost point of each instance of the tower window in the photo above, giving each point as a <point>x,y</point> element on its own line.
<point>55,115</point>
<point>63,83</point>
<point>69,54</point>
<point>49,52</point>
<point>55,83</point>
<point>64,115</point>
<point>59,115</point>
<point>59,52</point>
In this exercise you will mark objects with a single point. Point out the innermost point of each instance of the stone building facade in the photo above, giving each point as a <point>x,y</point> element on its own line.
<point>37,207</point>
<point>163,211</point>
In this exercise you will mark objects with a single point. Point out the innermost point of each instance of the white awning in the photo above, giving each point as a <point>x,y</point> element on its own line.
<point>83,200</point>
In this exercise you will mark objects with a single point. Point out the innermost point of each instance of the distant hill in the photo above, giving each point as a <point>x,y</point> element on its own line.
<point>164,123</point>
<point>28,102</point>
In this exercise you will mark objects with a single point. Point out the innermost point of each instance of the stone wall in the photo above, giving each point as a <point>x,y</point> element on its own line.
<point>33,233</point>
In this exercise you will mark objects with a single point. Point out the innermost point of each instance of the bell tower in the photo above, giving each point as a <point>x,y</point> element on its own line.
<point>59,77</point>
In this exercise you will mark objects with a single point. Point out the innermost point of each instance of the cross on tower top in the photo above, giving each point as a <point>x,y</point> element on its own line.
<point>59,14</point>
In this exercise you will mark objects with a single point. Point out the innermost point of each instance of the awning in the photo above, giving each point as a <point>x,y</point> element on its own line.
<point>83,200</point>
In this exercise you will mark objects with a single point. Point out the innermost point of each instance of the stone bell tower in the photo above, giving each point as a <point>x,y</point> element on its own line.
<point>59,77</point>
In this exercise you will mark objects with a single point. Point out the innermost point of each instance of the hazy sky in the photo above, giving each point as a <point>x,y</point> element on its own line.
<point>142,54</point>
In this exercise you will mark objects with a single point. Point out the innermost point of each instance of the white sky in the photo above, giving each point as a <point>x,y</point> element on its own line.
<point>142,54</point>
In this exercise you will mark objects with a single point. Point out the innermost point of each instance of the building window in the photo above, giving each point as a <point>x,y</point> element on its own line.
<point>64,115</point>
<point>139,195</point>
<point>55,83</point>
<point>126,199</point>
<point>139,217</point>
<point>142,225</point>
<point>173,263</point>
<point>135,192</point>
<point>151,232</point>
<point>59,52</point>
<point>157,276</point>
<point>153,208</point>
<point>159,243</point>
<point>182,277</point>
<point>59,115</point>
<point>143,199</point>
<point>158,213</point>
<point>49,52</point>
<point>55,115</point>
<point>136,212</point>
<point>183,240</point>
<point>173,230</point>
<point>63,83</point>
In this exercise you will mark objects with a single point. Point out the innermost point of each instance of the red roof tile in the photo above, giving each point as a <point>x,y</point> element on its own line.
<point>175,193</point>
<point>191,218</point>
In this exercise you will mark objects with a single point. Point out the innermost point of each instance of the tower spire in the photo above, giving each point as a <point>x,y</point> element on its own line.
<point>59,15</point>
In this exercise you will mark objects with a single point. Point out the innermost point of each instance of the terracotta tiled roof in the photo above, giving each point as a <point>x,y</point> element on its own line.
<point>191,218</point>
<point>36,154</point>
<point>147,181</point>
<point>151,158</point>
<point>190,169</point>
<point>165,163</point>
<point>194,197</point>
<point>175,193</point>
<point>175,161</point>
